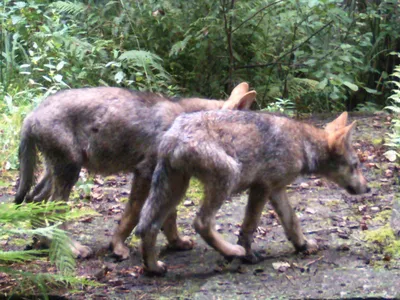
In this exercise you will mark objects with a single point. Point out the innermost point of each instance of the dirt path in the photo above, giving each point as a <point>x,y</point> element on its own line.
<point>347,266</point>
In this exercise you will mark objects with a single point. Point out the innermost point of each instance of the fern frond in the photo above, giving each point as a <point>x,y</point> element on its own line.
<point>20,256</point>
<point>179,46</point>
<point>73,8</point>
<point>142,58</point>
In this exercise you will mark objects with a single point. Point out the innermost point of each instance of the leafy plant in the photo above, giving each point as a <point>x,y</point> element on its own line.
<point>15,222</point>
<point>394,136</point>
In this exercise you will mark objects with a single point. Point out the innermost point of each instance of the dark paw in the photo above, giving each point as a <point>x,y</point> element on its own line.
<point>252,258</point>
<point>310,247</point>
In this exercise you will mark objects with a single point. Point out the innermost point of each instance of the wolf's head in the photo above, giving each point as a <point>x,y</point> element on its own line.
<point>343,165</point>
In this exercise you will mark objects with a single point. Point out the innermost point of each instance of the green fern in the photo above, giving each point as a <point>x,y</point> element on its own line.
<point>68,7</point>
<point>144,59</point>
<point>15,220</point>
<point>394,136</point>
<point>180,46</point>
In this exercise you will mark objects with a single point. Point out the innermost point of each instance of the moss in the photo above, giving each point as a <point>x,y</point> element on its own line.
<point>378,141</point>
<point>383,217</point>
<point>333,203</point>
<point>195,191</point>
<point>135,241</point>
<point>383,239</point>
<point>374,184</point>
<point>123,200</point>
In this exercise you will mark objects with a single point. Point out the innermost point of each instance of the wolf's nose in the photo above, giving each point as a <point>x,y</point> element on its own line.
<point>368,189</point>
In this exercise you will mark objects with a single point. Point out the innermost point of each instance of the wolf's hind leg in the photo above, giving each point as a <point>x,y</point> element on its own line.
<point>290,223</point>
<point>42,190</point>
<point>168,187</point>
<point>257,199</point>
<point>215,194</point>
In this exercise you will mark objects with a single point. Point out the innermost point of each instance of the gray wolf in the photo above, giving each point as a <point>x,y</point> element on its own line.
<point>106,130</point>
<point>231,151</point>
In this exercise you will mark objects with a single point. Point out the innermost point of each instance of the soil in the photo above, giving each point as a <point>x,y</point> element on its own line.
<point>346,266</point>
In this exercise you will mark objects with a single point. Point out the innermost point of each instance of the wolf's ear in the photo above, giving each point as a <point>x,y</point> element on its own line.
<point>239,90</point>
<point>240,101</point>
<point>340,140</point>
<point>338,123</point>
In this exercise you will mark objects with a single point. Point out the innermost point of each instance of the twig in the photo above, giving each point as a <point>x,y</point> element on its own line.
<point>288,52</point>
<point>323,230</point>
<point>256,13</point>
<point>314,261</point>
<point>287,277</point>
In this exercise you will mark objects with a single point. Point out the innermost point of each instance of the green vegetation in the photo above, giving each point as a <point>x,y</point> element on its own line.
<point>302,56</point>
<point>15,222</point>
<point>394,136</point>
<point>383,240</point>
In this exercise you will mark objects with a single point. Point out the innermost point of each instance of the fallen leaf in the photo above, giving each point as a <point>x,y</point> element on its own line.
<point>281,266</point>
<point>390,155</point>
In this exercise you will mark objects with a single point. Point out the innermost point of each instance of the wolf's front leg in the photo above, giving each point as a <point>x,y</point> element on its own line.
<point>139,192</point>
<point>291,223</point>
<point>255,205</point>
<point>175,242</point>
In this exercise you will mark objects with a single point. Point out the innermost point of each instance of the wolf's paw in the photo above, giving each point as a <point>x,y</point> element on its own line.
<point>182,244</point>
<point>120,251</point>
<point>234,251</point>
<point>251,258</point>
<point>80,251</point>
<point>158,270</point>
<point>310,247</point>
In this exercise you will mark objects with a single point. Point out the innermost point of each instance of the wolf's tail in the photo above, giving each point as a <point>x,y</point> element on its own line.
<point>27,159</point>
<point>167,189</point>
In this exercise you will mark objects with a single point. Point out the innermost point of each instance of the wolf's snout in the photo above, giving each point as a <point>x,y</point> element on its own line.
<point>351,190</point>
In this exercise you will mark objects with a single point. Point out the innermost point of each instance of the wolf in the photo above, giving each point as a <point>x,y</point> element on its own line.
<point>106,130</point>
<point>231,151</point>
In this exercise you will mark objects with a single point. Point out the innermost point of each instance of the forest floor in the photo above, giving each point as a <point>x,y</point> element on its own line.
<point>355,260</point>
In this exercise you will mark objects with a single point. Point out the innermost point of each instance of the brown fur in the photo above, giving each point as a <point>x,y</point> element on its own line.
<point>230,151</point>
<point>106,130</point>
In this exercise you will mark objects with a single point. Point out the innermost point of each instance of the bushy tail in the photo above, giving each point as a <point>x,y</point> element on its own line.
<point>167,189</point>
<point>27,159</point>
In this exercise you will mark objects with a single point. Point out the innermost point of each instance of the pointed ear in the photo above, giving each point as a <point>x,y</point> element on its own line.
<point>338,123</point>
<point>240,103</point>
<point>340,140</point>
<point>239,90</point>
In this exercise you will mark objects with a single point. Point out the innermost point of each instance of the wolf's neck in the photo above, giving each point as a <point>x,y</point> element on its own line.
<point>315,149</point>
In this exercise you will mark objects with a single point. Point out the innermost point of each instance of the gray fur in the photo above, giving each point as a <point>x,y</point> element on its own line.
<point>231,151</point>
<point>106,130</point>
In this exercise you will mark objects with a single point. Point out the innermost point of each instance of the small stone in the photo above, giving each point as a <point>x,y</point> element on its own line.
<point>304,185</point>
<point>310,210</point>
<point>388,173</point>
<point>343,247</point>
<point>281,266</point>
<point>362,208</point>
<point>188,203</point>
<point>375,209</point>
<point>318,182</point>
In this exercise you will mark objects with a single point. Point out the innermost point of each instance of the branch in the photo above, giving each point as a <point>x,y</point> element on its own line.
<point>288,52</point>
<point>256,13</point>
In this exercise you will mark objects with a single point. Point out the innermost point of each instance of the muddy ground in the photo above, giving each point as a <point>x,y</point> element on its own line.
<point>347,266</point>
